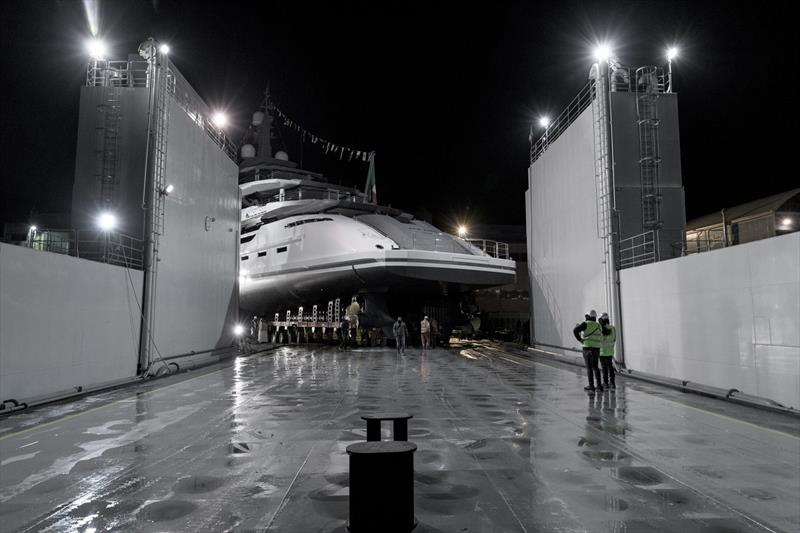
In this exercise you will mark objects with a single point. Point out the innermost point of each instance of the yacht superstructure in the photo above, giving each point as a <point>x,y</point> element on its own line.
<point>304,240</point>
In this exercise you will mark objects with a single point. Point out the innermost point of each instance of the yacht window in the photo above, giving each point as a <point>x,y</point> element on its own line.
<point>262,254</point>
<point>247,239</point>
<point>245,257</point>
<point>307,221</point>
<point>281,249</point>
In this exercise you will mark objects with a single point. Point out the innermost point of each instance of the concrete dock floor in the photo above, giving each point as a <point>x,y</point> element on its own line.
<point>506,443</point>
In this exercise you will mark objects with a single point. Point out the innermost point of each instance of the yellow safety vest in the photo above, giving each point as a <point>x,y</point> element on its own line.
<point>607,349</point>
<point>593,335</point>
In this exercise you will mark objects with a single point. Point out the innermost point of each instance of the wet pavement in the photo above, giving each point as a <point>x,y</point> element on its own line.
<point>506,443</point>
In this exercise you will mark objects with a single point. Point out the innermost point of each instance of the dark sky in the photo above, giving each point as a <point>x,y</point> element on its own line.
<point>445,94</point>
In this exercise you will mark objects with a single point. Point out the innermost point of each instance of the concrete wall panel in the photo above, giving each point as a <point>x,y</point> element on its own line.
<point>197,291</point>
<point>564,252</point>
<point>726,318</point>
<point>64,322</point>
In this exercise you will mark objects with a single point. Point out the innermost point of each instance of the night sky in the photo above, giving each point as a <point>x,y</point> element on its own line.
<point>444,94</point>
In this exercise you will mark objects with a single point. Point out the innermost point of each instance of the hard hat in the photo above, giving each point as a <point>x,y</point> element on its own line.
<point>604,316</point>
<point>426,317</point>
<point>593,313</point>
<point>399,318</point>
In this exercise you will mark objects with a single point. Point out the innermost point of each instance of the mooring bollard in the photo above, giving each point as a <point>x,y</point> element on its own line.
<point>399,425</point>
<point>382,486</point>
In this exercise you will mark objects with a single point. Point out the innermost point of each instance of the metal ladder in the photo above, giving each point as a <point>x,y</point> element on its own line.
<point>601,154</point>
<point>649,149</point>
<point>108,166</point>
<point>160,148</point>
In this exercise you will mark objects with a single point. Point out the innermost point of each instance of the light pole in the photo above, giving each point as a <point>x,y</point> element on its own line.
<point>672,53</point>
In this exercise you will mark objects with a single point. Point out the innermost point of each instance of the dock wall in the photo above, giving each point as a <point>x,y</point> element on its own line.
<point>727,318</point>
<point>64,322</point>
<point>196,303</point>
<point>565,252</point>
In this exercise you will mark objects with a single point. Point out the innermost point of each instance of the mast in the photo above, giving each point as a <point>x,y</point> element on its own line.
<point>264,134</point>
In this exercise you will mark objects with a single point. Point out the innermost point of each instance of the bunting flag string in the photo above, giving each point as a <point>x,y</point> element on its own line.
<point>329,147</point>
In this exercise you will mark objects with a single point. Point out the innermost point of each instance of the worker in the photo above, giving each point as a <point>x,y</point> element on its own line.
<point>607,351</point>
<point>344,334</point>
<point>590,334</point>
<point>425,332</point>
<point>400,332</point>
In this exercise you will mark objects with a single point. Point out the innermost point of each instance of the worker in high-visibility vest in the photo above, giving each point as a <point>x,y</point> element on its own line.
<point>590,334</point>
<point>607,351</point>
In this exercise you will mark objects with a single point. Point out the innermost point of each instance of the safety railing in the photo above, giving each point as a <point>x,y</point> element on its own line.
<point>136,74</point>
<point>110,247</point>
<point>563,121</point>
<point>638,250</point>
<point>704,240</point>
<point>495,249</point>
<point>621,79</point>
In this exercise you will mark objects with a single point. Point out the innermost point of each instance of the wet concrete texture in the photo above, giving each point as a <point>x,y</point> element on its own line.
<point>505,444</point>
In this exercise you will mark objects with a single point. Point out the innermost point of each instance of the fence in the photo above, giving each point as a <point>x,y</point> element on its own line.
<point>110,247</point>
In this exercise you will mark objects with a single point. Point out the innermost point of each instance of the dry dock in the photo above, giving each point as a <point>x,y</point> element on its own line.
<point>506,443</point>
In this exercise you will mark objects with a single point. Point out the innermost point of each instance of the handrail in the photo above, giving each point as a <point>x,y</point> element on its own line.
<point>136,74</point>
<point>646,80</point>
<point>496,249</point>
<point>112,247</point>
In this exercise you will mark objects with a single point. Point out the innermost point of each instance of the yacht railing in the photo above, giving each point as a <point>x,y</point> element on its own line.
<point>110,247</point>
<point>495,249</point>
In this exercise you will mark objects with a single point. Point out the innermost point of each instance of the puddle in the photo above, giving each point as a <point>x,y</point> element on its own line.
<point>199,484</point>
<point>756,494</point>
<point>606,455</point>
<point>639,475</point>
<point>166,510</point>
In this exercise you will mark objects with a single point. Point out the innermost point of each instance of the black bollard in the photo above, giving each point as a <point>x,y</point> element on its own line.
<point>381,487</point>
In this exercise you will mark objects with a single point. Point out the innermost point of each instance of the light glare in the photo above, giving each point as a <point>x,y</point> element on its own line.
<point>786,221</point>
<point>462,230</point>
<point>164,48</point>
<point>544,122</point>
<point>97,48</point>
<point>220,119</point>
<point>107,221</point>
<point>672,53</point>
<point>169,188</point>
<point>602,52</point>
<point>238,330</point>
<point>33,228</point>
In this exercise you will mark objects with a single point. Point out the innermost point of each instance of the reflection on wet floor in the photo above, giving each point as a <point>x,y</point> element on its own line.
<point>505,444</point>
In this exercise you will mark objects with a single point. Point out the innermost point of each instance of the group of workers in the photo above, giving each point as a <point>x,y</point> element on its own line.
<point>399,328</point>
<point>400,331</point>
<point>598,337</point>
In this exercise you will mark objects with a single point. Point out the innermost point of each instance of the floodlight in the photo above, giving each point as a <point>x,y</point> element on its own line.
<point>786,222</point>
<point>97,48</point>
<point>672,53</point>
<point>462,230</point>
<point>238,330</point>
<point>602,52</point>
<point>544,122</point>
<point>107,221</point>
<point>33,229</point>
<point>169,188</point>
<point>164,48</point>
<point>219,119</point>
